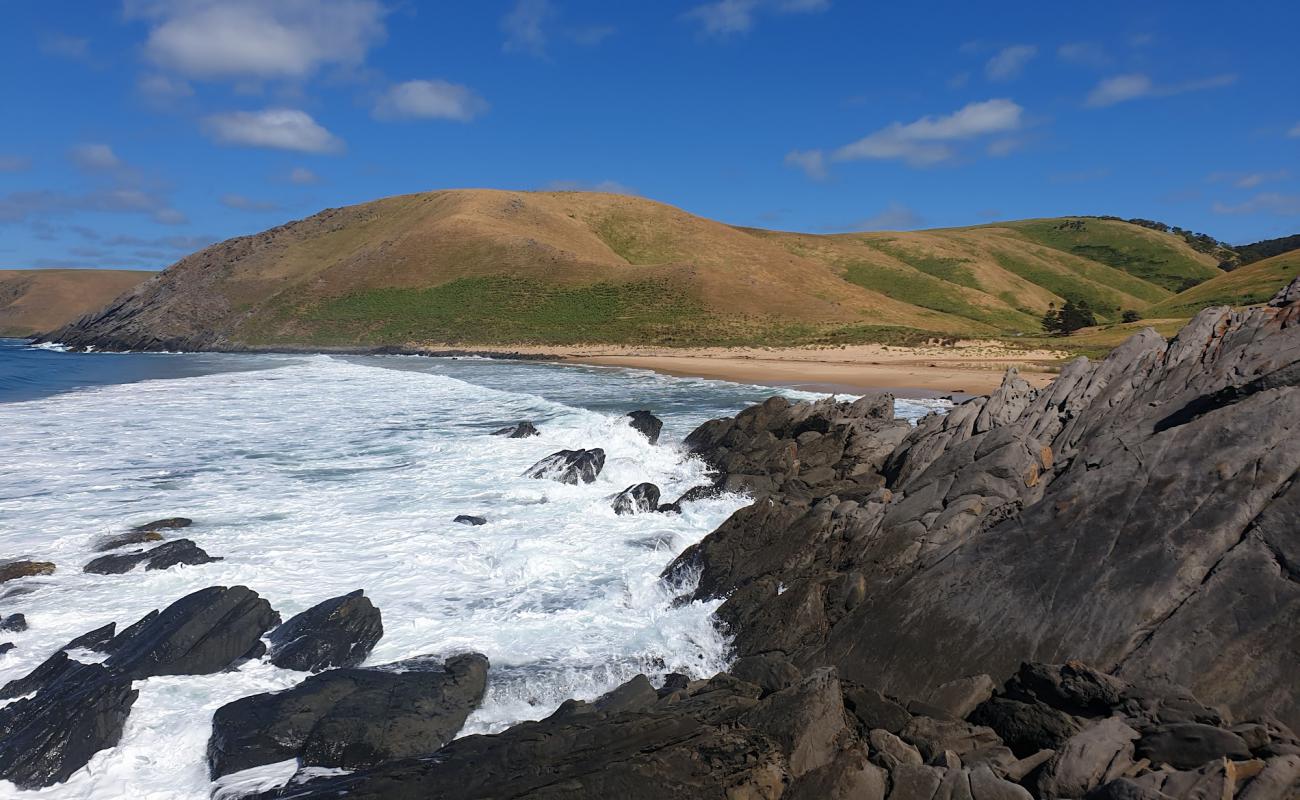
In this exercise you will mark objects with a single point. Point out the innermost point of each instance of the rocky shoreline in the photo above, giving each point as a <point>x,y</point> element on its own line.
<point>1089,590</point>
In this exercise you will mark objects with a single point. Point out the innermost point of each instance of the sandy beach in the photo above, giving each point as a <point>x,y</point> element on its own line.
<point>967,367</point>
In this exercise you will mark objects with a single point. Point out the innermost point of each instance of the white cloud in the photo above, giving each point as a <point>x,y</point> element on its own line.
<point>240,202</point>
<point>895,217</point>
<point>258,38</point>
<point>73,47</point>
<point>433,99</point>
<point>11,163</point>
<point>302,176</point>
<point>1249,180</point>
<point>525,27</point>
<point>1086,53</point>
<point>95,158</point>
<point>927,140</point>
<point>812,162</point>
<point>1122,88</point>
<point>724,18</point>
<point>163,88</point>
<point>18,206</point>
<point>605,187</point>
<point>275,128</point>
<point>1276,203</point>
<point>1008,62</point>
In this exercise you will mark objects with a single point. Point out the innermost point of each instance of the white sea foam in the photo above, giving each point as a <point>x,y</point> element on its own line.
<point>323,475</point>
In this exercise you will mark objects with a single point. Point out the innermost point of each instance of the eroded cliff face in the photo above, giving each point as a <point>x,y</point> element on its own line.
<point>1141,514</point>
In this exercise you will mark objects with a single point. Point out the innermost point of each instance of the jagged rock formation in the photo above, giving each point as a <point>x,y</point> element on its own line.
<point>1139,514</point>
<point>350,718</point>
<point>339,632</point>
<point>639,498</point>
<point>164,556</point>
<point>569,466</point>
<point>521,431</point>
<point>646,424</point>
<point>779,733</point>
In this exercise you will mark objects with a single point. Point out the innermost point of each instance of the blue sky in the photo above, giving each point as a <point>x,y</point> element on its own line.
<point>137,131</point>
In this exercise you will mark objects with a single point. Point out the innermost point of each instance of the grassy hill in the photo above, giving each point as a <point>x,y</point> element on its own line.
<point>1253,283</point>
<point>36,300</point>
<point>479,267</point>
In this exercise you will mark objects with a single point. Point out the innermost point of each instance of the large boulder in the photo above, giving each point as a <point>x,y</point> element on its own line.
<point>21,568</point>
<point>128,538</point>
<point>641,498</point>
<point>168,524</point>
<point>646,424</point>
<point>164,556</point>
<point>349,718</point>
<point>47,737</point>
<point>569,466</point>
<point>204,632</point>
<point>339,632</point>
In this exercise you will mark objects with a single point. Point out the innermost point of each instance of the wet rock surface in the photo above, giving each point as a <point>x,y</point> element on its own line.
<point>349,718</point>
<point>339,632</point>
<point>164,556</point>
<point>521,431</point>
<point>569,466</point>
<point>75,714</point>
<point>468,519</point>
<point>646,424</point>
<point>202,633</point>
<point>20,568</point>
<point>639,499</point>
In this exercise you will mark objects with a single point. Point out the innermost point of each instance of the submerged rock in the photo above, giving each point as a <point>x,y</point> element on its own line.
<point>521,431</point>
<point>349,718</point>
<point>170,523</point>
<point>466,519</point>
<point>646,424</point>
<point>16,623</point>
<point>128,538</point>
<point>13,570</point>
<point>639,499</point>
<point>569,466</point>
<point>204,632</point>
<point>339,632</point>
<point>47,737</point>
<point>5,647</point>
<point>164,556</point>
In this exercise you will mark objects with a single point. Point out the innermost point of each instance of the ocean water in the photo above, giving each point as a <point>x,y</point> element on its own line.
<point>315,475</point>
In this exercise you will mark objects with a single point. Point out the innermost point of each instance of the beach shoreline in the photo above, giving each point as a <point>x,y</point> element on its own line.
<point>963,369</point>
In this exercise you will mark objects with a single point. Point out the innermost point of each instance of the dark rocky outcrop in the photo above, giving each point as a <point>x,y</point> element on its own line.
<point>164,556</point>
<point>646,424</point>
<point>15,623</point>
<point>13,570</point>
<point>97,640</point>
<point>75,714</point>
<point>168,524</point>
<point>569,466</point>
<point>641,498</point>
<point>349,718</point>
<point>705,739</point>
<point>521,431</point>
<point>5,647</point>
<point>466,519</point>
<point>339,632</point>
<point>127,539</point>
<point>204,632</point>
<point>1137,514</point>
